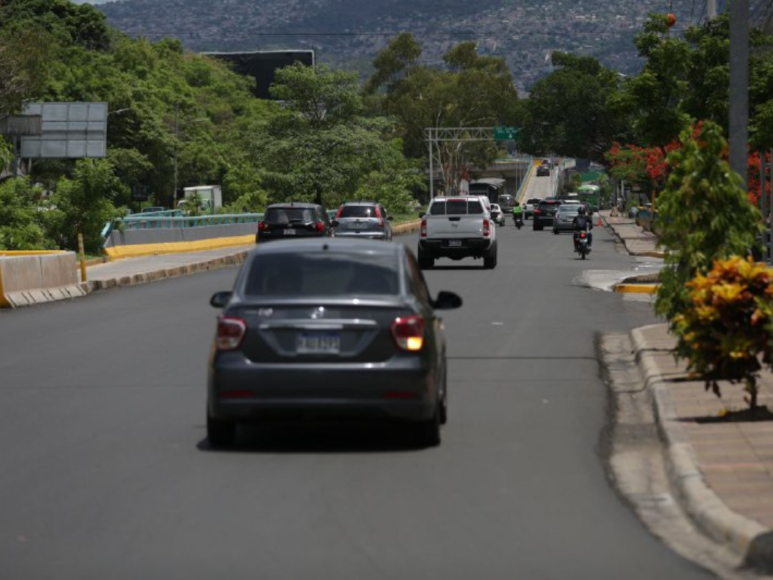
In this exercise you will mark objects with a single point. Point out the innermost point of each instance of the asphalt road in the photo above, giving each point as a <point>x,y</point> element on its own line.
<point>105,472</point>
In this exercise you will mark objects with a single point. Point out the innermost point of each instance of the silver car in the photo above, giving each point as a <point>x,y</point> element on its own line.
<point>564,220</point>
<point>329,328</point>
<point>363,219</point>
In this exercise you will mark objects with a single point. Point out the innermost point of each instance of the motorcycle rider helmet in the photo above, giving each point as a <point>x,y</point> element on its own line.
<point>581,211</point>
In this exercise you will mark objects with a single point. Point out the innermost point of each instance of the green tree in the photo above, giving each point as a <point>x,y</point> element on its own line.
<point>319,147</point>
<point>20,217</point>
<point>83,205</point>
<point>704,213</point>
<point>573,111</point>
<point>471,91</point>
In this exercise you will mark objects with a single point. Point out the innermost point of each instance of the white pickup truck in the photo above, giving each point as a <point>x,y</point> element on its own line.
<point>456,228</point>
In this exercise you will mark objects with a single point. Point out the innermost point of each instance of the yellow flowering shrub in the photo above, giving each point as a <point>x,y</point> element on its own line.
<point>725,330</point>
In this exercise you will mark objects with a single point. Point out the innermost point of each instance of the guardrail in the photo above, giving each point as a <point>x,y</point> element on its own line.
<point>175,219</point>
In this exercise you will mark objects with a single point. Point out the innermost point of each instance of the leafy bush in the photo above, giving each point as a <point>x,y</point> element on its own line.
<point>704,215</point>
<point>21,217</point>
<point>83,205</point>
<point>725,330</point>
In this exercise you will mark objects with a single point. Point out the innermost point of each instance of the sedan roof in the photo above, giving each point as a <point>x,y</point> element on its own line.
<point>350,246</point>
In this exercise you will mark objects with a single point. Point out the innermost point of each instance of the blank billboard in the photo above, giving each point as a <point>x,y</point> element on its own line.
<point>262,65</point>
<point>68,131</point>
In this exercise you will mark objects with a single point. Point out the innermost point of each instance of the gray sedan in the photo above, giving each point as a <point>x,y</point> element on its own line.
<point>329,329</point>
<point>564,220</point>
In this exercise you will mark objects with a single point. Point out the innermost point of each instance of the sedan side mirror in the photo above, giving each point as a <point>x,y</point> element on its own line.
<point>447,301</point>
<point>334,223</point>
<point>220,299</point>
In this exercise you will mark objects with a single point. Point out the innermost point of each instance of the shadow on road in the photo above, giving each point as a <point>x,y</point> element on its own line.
<point>319,437</point>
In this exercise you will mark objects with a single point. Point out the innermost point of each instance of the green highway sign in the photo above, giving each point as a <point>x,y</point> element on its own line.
<point>505,133</point>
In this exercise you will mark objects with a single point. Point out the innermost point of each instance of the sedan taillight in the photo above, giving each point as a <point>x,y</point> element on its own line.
<point>408,332</point>
<point>423,228</point>
<point>486,228</point>
<point>230,333</point>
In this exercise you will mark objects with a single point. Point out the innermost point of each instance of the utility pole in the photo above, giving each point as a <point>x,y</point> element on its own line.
<point>176,138</point>
<point>739,88</point>
<point>711,9</point>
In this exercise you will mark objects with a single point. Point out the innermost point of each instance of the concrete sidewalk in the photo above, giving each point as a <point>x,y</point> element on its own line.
<point>637,240</point>
<point>132,271</point>
<point>720,463</point>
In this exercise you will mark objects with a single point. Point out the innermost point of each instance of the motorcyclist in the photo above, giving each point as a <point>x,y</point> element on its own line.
<point>518,213</point>
<point>582,223</point>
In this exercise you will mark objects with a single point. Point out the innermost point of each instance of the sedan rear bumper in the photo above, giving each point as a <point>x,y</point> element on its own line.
<point>359,234</point>
<point>402,388</point>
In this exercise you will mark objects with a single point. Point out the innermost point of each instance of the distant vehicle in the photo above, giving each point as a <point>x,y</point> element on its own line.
<point>456,228</point>
<point>211,197</point>
<point>528,209</point>
<point>329,329</point>
<point>543,170</point>
<point>506,202</point>
<point>497,214</point>
<point>153,209</point>
<point>564,218</point>
<point>363,219</point>
<point>544,213</point>
<point>490,187</point>
<point>294,220</point>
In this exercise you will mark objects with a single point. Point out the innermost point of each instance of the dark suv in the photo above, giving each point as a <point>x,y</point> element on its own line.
<point>544,213</point>
<point>294,220</point>
<point>363,219</point>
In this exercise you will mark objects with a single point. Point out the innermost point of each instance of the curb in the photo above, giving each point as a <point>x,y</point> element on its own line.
<point>632,288</point>
<point>407,228</point>
<point>699,501</point>
<point>166,273</point>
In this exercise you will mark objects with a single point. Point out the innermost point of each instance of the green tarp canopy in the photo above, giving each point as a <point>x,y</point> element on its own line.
<point>588,189</point>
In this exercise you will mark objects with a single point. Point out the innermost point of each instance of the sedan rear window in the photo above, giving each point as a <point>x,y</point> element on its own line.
<point>358,211</point>
<point>322,274</point>
<point>456,207</point>
<point>286,215</point>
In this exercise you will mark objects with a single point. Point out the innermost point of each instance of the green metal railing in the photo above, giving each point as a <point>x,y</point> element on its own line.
<point>151,221</point>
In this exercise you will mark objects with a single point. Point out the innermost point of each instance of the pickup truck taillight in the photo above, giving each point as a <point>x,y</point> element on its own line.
<point>486,228</point>
<point>423,228</point>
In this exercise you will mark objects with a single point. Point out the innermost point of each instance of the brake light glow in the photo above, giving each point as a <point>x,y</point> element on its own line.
<point>262,226</point>
<point>486,228</point>
<point>230,333</point>
<point>320,226</point>
<point>423,228</point>
<point>408,332</point>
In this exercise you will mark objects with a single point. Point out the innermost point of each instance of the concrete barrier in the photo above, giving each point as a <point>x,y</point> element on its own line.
<point>34,279</point>
<point>149,242</point>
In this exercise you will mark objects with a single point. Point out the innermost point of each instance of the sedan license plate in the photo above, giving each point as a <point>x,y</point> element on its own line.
<point>454,243</point>
<point>329,343</point>
<point>289,232</point>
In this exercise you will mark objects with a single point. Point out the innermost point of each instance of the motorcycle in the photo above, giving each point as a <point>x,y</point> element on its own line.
<point>518,219</point>
<point>581,245</point>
